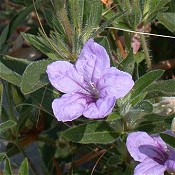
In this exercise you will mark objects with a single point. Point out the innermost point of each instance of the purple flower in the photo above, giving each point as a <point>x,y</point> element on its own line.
<point>155,155</point>
<point>91,85</point>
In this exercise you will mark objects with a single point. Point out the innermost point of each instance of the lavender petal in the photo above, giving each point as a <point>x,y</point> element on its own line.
<point>115,83</point>
<point>149,167</point>
<point>99,109</point>
<point>69,107</point>
<point>64,77</point>
<point>93,61</point>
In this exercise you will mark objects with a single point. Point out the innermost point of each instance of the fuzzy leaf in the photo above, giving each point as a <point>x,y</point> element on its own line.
<point>7,168</point>
<point>9,75</point>
<point>42,44</point>
<point>168,139</point>
<point>168,20</point>
<point>94,132</point>
<point>160,88</point>
<point>15,21</point>
<point>145,81</point>
<point>34,76</point>
<point>1,95</point>
<point>6,125</point>
<point>153,123</point>
<point>24,167</point>
<point>127,64</point>
<point>153,8</point>
<point>144,106</point>
<point>2,156</point>
<point>17,65</point>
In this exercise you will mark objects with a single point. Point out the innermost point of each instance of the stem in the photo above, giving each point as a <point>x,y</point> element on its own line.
<point>57,167</point>
<point>146,51</point>
<point>118,43</point>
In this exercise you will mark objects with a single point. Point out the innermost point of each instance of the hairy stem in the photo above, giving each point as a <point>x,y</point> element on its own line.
<point>146,51</point>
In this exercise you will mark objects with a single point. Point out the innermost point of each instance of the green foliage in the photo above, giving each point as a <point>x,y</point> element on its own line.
<point>71,27</point>
<point>128,63</point>
<point>1,96</point>
<point>167,19</point>
<point>24,167</point>
<point>44,45</point>
<point>94,132</point>
<point>6,125</point>
<point>168,139</point>
<point>161,88</point>
<point>153,123</point>
<point>145,81</point>
<point>15,64</point>
<point>9,75</point>
<point>152,8</point>
<point>7,168</point>
<point>34,76</point>
<point>15,22</point>
<point>26,95</point>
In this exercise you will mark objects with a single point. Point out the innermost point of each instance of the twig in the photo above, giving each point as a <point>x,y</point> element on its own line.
<point>57,167</point>
<point>119,44</point>
<point>87,157</point>
<point>104,151</point>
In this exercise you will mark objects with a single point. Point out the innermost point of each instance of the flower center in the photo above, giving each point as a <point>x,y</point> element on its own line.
<point>93,93</point>
<point>93,90</point>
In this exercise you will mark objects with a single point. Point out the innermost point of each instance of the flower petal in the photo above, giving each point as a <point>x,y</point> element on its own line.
<point>149,167</point>
<point>135,140</point>
<point>158,140</point>
<point>156,153</point>
<point>170,166</point>
<point>69,107</point>
<point>64,77</point>
<point>93,61</point>
<point>115,83</point>
<point>99,109</point>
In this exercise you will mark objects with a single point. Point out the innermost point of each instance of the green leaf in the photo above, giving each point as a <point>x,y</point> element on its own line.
<point>7,168</point>
<point>114,116</point>
<point>17,65</point>
<point>127,64</point>
<point>7,125</point>
<point>1,95</point>
<point>42,44</point>
<point>24,167</point>
<point>106,24</point>
<point>2,156</point>
<point>168,20</point>
<point>34,76</point>
<point>94,132</point>
<point>9,75</point>
<point>91,17</point>
<point>44,96</point>
<point>153,8</point>
<point>160,88</point>
<point>153,123</point>
<point>168,139</point>
<point>15,22</point>
<point>145,81</point>
<point>144,106</point>
<point>138,98</point>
